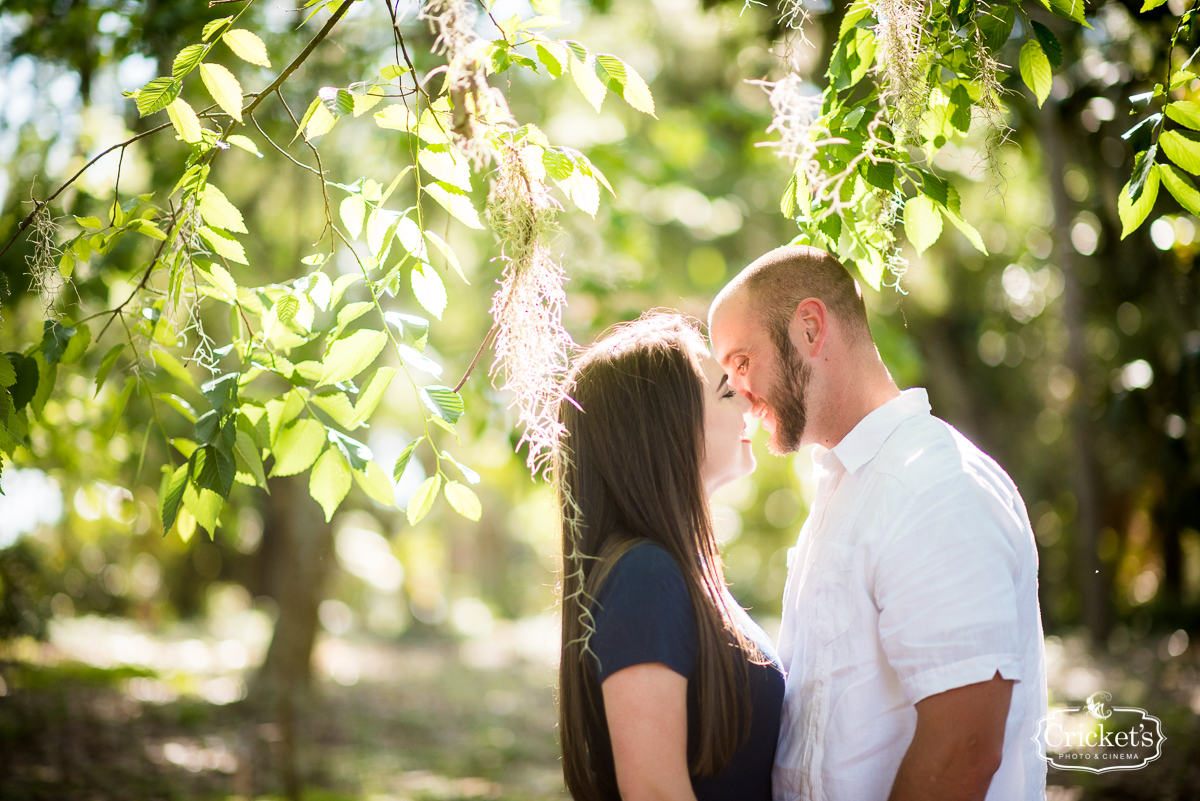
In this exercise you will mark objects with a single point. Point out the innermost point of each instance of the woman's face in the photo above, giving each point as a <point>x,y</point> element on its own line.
<point>727,453</point>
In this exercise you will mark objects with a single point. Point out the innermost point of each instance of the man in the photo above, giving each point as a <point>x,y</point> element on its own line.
<point>911,629</point>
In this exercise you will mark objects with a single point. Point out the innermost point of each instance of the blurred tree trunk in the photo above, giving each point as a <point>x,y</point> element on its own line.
<point>298,555</point>
<point>1085,481</point>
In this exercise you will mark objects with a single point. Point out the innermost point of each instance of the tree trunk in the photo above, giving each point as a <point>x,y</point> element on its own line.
<point>1085,479</point>
<point>298,553</point>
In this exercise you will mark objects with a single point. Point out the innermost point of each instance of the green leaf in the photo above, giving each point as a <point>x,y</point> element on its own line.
<point>167,361</point>
<point>157,95</point>
<point>584,192</point>
<point>1035,70</point>
<point>249,459</point>
<point>77,345</point>
<point>584,75</point>
<point>464,501</point>
<point>340,286</point>
<point>218,212</point>
<point>429,289</point>
<point>106,430</point>
<point>471,476</point>
<point>1050,44</point>
<point>297,447</point>
<point>396,117</point>
<point>444,165</point>
<point>443,402</point>
<point>187,60</point>
<point>1181,149</point>
<point>374,482</point>
<point>392,71</point>
<point>456,202</point>
<point>1150,5</point>
<point>1180,187</point>
<point>224,89</point>
<point>247,46</point>
<point>8,374</point>
<point>353,209</point>
<point>245,143</point>
<point>286,308</point>
<point>633,87</point>
<point>922,222</point>
<point>1134,212</point>
<point>996,25</point>
<point>1184,112</point>
<point>213,26</point>
<point>223,244</point>
<point>419,361</point>
<point>186,123</point>
<point>422,500</point>
<point>55,337</point>
<point>1069,9</point>
<point>338,102</point>
<point>553,57</point>
<point>330,481</point>
<point>405,455</point>
<point>28,378</point>
<point>171,494</point>
<point>204,505</point>
<point>90,222</point>
<point>337,406</point>
<point>372,394</point>
<point>1143,163</point>
<point>447,253</point>
<point>350,356</point>
<point>220,278</point>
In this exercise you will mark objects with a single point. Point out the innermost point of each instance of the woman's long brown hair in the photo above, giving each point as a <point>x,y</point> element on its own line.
<point>628,468</point>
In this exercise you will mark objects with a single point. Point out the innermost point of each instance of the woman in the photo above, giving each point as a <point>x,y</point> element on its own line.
<point>667,689</point>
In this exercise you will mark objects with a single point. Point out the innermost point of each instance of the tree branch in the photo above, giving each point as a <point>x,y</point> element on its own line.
<point>298,60</point>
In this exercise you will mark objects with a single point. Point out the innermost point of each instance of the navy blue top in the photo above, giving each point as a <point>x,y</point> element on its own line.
<point>643,614</point>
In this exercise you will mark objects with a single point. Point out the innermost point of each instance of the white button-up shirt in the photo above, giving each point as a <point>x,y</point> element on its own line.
<point>915,573</point>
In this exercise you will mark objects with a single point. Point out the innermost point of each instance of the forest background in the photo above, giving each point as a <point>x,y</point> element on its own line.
<point>179,664</point>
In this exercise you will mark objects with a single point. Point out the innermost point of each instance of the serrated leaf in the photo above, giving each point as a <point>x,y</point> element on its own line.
<point>55,337</point>
<point>186,123</point>
<point>584,192</point>
<point>447,253</point>
<point>247,46</point>
<point>419,361</point>
<point>428,289</point>
<point>463,500</point>
<point>422,500</point>
<point>77,345</point>
<point>330,481</point>
<point>337,406</point>
<point>172,495</point>
<point>298,445</point>
<point>286,308</point>
<point>396,117</point>
<point>205,507</point>
<point>922,222</point>
<point>392,71</point>
<point>350,356</point>
<point>90,222</point>
<point>8,374</point>
<point>405,455</point>
<point>372,394</point>
<point>1069,9</point>
<point>223,281</point>
<point>636,92</point>
<point>1184,112</point>
<point>454,201</point>
<point>996,24</point>
<point>1035,70</point>
<point>218,212</point>
<point>471,476</point>
<point>1150,5</point>
<point>553,57</point>
<point>320,123</point>
<point>1134,212</point>
<point>1050,44</point>
<point>187,60</point>
<point>1181,149</point>
<point>224,244</point>
<point>245,143</point>
<point>157,95</point>
<point>381,228</point>
<point>249,458</point>
<point>1143,163</point>
<point>224,88</point>
<point>213,26</point>
<point>443,402</point>
<point>584,75</point>
<point>1180,187</point>
<point>353,209</point>
<point>374,482</point>
<point>444,165</point>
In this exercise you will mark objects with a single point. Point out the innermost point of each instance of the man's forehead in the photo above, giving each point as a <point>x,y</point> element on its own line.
<point>732,327</point>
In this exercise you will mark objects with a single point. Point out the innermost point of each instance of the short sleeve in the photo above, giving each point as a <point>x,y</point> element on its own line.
<point>643,614</point>
<point>945,586</point>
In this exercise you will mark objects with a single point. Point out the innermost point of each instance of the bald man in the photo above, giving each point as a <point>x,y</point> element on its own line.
<point>911,629</point>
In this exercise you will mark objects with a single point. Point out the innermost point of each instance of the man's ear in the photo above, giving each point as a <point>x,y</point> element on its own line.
<point>809,327</point>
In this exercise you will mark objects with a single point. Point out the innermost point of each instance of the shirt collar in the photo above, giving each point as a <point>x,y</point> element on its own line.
<point>863,442</point>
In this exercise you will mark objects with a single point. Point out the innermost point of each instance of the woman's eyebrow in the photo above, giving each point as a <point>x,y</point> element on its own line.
<point>724,380</point>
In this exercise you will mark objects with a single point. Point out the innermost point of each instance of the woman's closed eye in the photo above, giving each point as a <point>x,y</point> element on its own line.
<point>729,393</point>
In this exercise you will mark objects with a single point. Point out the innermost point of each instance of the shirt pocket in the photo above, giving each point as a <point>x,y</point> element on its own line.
<point>831,599</point>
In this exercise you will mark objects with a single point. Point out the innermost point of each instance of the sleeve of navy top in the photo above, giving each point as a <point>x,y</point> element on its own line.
<point>643,614</point>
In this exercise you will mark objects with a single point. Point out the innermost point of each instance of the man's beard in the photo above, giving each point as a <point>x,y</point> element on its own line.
<point>787,402</point>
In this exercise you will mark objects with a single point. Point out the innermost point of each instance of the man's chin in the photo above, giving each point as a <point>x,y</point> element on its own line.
<point>777,447</point>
